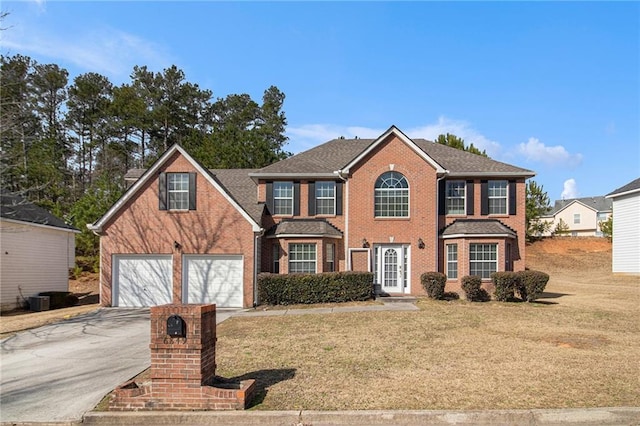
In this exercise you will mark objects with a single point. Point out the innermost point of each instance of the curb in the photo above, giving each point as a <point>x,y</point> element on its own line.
<point>587,416</point>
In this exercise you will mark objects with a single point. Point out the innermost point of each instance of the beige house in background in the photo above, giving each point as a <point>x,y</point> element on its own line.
<point>37,250</point>
<point>582,215</point>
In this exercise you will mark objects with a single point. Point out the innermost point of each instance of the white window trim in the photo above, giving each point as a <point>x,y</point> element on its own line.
<point>290,261</point>
<point>326,198</point>
<point>493,197</point>
<point>330,248</point>
<point>576,218</point>
<point>292,198</point>
<point>407,189</point>
<point>464,197</point>
<point>451,262</point>
<point>177,191</point>
<point>496,261</point>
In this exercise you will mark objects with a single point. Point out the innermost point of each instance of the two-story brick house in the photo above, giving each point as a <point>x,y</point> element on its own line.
<point>393,205</point>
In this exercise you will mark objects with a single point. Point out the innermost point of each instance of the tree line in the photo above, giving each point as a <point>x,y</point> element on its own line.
<point>66,145</point>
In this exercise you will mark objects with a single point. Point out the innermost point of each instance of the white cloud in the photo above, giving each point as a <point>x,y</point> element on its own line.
<point>534,150</point>
<point>570,189</point>
<point>309,135</point>
<point>104,50</point>
<point>460,128</point>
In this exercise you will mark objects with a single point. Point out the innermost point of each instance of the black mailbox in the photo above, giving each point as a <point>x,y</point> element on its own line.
<point>176,326</point>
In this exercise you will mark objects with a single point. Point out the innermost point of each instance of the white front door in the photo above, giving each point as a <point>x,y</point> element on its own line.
<point>391,268</point>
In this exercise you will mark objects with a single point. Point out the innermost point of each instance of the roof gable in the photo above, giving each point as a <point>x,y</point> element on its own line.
<point>16,208</point>
<point>393,130</point>
<point>597,204</point>
<point>151,173</point>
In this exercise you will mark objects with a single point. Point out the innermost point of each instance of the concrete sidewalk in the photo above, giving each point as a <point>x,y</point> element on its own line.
<point>583,417</point>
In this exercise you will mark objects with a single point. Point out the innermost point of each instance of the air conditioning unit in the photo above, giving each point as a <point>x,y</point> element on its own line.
<point>39,303</point>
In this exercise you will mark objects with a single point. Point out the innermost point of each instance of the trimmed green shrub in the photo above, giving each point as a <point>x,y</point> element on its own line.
<point>433,283</point>
<point>532,284</point>
<point>506,285</point>
<point>329,287</point>
<point>60,299</point>
<point>472,286</point>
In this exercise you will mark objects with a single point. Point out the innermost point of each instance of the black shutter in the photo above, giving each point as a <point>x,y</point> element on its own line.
<point>162,191</point>
<point>311,188</point>
<point>296,198</point>
<point>442,197</point>
<point>484,197</point>
<point>339,196</point>
<point>469,190</point>
<point>270,197</point>
<point>512,197</point>
<point>192,191</point>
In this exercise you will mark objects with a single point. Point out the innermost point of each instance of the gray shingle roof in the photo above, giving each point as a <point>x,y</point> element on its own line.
<point>631,186</point>
<point>477,227</point>
<point>598,203</point>
<point>242,188</point>
<point>337,153</point>
<point>310,227</point>
<point>15,207</point>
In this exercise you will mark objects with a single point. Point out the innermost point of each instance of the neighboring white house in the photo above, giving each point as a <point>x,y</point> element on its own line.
<point>626,228</point>
<point>581,215</point>
<point>36,251</point>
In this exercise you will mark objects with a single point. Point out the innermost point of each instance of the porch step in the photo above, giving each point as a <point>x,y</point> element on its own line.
<point>397,299</point>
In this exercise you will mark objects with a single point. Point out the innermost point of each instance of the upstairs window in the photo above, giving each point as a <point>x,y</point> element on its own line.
<point>498,197</point>
<point>177,191</point>
<point>325,198</point>
<point>576,218</point>
<point>392,195</point>
<point>456,197</point>
<point>283,198</point>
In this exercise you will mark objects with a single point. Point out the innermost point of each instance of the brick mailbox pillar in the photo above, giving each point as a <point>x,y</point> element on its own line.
<point>186,362</point>
<point>183,366</point>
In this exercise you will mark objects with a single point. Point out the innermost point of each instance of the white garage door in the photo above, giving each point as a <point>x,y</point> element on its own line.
<point>213,279</point>
<point>142,280</point>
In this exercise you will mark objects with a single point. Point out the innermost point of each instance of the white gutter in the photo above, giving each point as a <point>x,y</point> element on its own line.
<point>345,210</point>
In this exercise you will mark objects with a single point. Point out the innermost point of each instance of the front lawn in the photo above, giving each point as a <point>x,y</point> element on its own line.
<point>578,347</point>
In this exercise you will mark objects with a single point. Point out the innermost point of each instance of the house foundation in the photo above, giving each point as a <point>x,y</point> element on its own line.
<point>183,366</point>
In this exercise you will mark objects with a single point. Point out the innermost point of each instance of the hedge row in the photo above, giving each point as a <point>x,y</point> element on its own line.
<point>329,287</point>
<point>529,285</point>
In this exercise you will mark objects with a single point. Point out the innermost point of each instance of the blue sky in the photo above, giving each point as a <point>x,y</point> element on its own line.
<point>549,86</point>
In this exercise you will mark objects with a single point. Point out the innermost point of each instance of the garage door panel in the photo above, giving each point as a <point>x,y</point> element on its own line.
<point>213,279</point>
<point>141,281</point>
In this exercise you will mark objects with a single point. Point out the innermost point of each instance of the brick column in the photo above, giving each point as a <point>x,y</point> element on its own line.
<point>188,361</point>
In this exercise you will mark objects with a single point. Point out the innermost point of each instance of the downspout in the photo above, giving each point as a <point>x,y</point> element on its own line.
<point>345,206</point>
<point>257,237</point>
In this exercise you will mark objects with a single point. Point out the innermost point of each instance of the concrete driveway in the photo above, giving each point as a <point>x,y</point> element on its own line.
<point>59,371</point>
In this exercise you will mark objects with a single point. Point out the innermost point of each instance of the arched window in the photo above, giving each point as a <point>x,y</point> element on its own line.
<point>392,195</point>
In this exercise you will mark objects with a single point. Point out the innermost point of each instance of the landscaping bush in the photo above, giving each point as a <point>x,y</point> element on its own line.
<point>531,284</point>
<point>506,285</point>
<point>329,287</point>
<point>433,283</point>
<point>472,286</point>
<point>60,299</point>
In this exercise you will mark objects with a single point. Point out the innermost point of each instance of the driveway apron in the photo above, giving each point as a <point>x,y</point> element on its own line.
<point>59,371</point>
